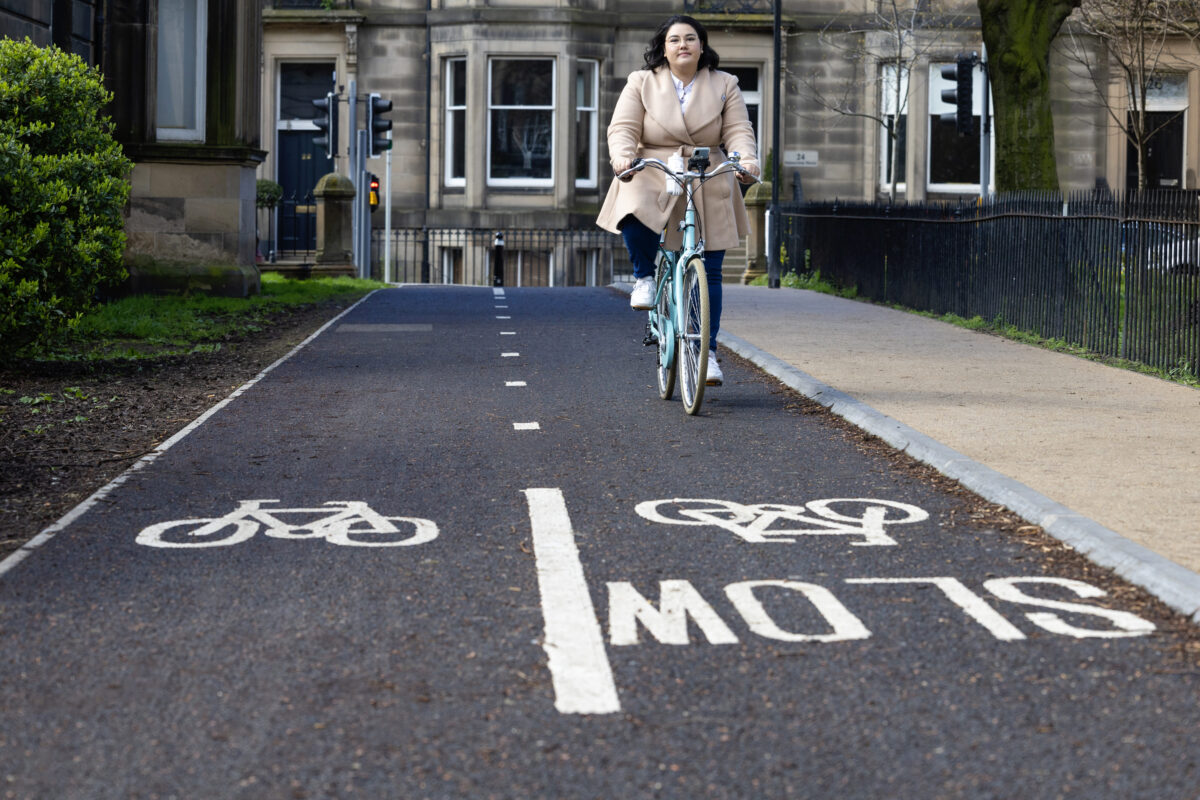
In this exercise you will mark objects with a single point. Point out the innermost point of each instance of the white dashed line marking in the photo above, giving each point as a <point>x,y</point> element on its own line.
<point>509,355</point>
<point>514,383</point>
<point>526,426</point>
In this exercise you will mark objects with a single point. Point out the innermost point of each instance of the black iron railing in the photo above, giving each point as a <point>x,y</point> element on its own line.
<point>1118,277</point>
<point>727,6</point>
<point>296,229</point>
<point>487,257</point>
<point>321,5</point>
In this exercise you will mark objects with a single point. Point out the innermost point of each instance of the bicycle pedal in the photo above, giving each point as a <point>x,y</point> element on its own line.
<point>650,341</point>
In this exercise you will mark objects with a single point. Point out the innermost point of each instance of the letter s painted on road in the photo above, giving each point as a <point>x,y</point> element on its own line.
<point>1126,624</point>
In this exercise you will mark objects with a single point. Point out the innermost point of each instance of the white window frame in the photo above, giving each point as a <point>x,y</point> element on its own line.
<point>593,133</point>
<point>887,83</point>
<point>194,133</point>
<point>755,98</point>
<point>295,124</point>
<point>524,182</point>
<point>448,178</point>
<point>936,107</point>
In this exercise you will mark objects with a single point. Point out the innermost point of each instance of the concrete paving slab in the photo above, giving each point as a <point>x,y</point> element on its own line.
<point>1119,448</point>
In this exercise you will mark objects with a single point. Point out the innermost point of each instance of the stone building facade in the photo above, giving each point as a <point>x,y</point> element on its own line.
<point>184,78</point>
<point>457,70</point>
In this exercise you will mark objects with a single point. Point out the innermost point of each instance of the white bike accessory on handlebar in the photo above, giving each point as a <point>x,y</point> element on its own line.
<point>675,164</point>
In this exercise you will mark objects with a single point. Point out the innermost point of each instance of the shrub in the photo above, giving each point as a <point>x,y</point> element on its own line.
<point>63,187</point>
<point>268,193</point>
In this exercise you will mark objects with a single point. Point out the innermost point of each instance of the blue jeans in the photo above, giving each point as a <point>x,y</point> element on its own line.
<point>642,244</point>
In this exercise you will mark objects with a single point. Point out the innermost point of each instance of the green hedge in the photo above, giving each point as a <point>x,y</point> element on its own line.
<point>63,188</point>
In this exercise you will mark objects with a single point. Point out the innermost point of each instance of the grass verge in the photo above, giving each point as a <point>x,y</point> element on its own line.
<point>152,326</point>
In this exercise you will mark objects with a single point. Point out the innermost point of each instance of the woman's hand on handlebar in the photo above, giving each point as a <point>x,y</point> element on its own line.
<point>621,166</point>
<point>753,170</point>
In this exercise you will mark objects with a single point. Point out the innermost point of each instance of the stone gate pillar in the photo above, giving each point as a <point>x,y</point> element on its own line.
<point>757,198</point>
<point>334,196</point>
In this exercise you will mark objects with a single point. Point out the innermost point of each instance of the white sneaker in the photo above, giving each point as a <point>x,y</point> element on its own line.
<point>715,376</point>
<point>642,297</point>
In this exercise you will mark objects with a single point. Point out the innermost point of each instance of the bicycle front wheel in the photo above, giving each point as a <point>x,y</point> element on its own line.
<point>666,337</point>
<point>692,350</point>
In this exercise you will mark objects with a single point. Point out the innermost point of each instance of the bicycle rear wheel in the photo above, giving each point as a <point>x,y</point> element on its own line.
<point>667,354</point>
<point>692,350</point>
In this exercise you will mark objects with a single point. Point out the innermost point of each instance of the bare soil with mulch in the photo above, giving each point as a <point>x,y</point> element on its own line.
<point>66,430</point>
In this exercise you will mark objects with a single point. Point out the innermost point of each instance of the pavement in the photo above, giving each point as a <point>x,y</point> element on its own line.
<point>1104,459</point>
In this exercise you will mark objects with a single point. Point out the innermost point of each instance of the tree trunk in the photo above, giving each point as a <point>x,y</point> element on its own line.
<point>1018,35</point>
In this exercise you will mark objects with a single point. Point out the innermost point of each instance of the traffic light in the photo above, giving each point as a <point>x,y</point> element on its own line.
<point>377,126</point>
<point>374,195</point>
<point>963,75</point>
<point>327,123</point>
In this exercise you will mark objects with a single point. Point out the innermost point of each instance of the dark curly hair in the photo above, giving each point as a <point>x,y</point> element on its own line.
<point>655,55</point>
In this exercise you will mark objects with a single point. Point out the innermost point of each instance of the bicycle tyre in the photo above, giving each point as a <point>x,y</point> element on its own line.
<point>667,360</point>
<point>424,530</point>
<point>691,350</point>
<point>155,535</point>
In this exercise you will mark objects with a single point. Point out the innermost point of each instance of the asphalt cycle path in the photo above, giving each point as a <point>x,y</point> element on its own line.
<point>456,546</point>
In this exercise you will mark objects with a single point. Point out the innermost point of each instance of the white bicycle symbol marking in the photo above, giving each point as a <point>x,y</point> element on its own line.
<point>350,523</point>
<point>752,523</point>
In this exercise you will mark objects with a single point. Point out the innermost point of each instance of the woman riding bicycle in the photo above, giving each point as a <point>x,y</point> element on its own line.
<point>678,101</point>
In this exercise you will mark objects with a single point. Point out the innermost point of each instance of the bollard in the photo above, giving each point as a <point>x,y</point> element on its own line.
<point>498,259</point>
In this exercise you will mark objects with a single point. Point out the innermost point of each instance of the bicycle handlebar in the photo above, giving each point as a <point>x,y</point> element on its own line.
<point>732,164</point>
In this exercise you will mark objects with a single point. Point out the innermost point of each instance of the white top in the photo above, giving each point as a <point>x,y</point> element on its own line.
<point>684,92</point>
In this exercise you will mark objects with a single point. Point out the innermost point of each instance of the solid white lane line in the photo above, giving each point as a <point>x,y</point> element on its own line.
<point>526,426</point>
<point>574,643</point>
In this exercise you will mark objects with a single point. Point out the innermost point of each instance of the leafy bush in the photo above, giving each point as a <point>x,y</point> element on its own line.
<point>63,187</point>
<point>268,193</point>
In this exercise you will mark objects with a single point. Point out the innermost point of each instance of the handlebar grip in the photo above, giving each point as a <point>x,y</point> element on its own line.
<point>627,176</point>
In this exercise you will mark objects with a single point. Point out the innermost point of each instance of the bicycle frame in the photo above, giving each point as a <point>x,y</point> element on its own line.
<point>666,325</point>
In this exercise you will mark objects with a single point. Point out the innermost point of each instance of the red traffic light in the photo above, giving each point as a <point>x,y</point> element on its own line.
<point>374,192</point>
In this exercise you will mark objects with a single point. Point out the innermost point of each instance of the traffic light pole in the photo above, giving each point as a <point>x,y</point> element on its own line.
<point>387,213</point>
<point>985,130</point>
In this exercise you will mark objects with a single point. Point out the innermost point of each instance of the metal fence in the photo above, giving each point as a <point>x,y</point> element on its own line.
<point>1120,277</point>
<point>485,257</point>
<point>294,223</point>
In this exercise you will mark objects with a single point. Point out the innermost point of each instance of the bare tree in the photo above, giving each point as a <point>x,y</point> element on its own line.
<point>1126,41</point>
<point>885,47</point>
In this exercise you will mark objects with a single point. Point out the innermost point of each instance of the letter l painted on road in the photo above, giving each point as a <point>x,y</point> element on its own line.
<point>573,641</point>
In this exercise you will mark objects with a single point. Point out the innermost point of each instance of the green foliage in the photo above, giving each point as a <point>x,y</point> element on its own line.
<point>811,281</point>
<point>63,188</point>
<point>151,326</point>
<point>268,193</point>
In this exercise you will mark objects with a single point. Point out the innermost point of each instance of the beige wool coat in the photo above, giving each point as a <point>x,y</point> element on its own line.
<point>648,122</point>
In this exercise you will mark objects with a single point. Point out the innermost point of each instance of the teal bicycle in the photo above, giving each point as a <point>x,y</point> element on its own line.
<point>678,324</point>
